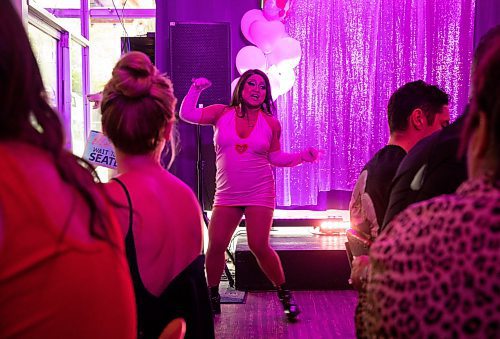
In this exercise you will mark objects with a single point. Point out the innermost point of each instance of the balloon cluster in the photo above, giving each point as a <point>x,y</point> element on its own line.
<point>274,52</point>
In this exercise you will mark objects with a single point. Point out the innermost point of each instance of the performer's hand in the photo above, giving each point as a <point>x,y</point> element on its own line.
<point>201,84</point>
<point>310,154</point>
<point>359,272</point>
<point>96,98</point>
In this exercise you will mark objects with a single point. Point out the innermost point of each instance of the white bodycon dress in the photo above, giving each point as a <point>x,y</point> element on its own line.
<point>244,175</point>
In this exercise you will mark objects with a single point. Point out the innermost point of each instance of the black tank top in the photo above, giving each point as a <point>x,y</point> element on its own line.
<point>186,296</point>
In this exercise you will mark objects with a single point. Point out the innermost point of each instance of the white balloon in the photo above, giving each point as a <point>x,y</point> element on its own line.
<point>250,57</point>
<point>287,79</point>
<point>266,33</point>
<point>286,53</point>
<point>282,80</point>
<point>233,85</point>
<point>248,19</point>
<point>272,75</point>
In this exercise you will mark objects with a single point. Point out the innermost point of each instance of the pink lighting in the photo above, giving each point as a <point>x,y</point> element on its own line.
<point>333,226</point>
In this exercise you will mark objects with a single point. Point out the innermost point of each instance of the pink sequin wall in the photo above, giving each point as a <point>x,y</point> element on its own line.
<point>354,55</point>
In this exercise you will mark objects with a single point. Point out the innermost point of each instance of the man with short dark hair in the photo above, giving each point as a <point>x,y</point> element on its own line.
<point>433,167</point>
<point>415,111</point>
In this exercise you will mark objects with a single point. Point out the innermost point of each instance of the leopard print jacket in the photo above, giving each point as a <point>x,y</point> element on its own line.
<point>436,269</point>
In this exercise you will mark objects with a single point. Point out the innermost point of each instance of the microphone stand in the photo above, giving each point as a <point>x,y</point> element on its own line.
<point>199,193</point>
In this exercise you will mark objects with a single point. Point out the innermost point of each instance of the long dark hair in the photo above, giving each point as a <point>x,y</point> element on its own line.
<point>486,100</point>
<point>26,116</point>
<point>237,100</point>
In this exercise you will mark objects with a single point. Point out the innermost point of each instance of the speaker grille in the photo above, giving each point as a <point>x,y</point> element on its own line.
<point>199,50</point>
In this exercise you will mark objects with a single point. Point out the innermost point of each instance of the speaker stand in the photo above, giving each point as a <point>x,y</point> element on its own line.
<point>199,193</point>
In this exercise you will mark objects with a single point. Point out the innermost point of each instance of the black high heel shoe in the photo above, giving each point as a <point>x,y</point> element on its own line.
<point>289,306</point>
<point>215,299</point>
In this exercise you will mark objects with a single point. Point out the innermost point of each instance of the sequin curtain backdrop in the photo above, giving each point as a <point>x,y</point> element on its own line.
<point>354,55</point>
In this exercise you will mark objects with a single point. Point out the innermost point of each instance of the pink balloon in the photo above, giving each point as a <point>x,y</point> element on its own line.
<point>247,19</point>
<point>283,4</point>
<point>266,33</point>
<point>275,9</point>
<point>271,11</point>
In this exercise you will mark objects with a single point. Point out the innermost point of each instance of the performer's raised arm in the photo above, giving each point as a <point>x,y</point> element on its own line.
<point>189,111</point>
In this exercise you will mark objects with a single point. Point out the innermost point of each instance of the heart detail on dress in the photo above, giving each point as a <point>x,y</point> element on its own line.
<point>241,148</point>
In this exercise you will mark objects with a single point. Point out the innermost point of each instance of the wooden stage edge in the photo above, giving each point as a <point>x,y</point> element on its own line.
<point>311,261</point>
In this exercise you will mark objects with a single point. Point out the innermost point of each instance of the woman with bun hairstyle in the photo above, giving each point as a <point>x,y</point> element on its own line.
<point>162,222</point>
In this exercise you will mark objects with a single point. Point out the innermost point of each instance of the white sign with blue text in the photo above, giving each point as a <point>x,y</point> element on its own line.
<point>99,150</point>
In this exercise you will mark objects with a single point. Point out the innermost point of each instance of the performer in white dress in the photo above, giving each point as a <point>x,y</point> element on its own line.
<point>247,144</point>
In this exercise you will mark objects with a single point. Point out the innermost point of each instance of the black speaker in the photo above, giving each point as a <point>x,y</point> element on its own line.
<point>199,50</point>
<point>144,44</point>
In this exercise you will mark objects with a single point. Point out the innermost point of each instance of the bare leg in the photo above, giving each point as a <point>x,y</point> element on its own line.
<point>222,224</point>
<point>259,220</point>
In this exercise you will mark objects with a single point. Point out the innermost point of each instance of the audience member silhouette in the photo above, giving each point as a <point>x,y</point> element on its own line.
<point>434,269</point>
<point>433,166</point>
<point>63,272</point>
<point>163,222</point>
<point>415,110</point>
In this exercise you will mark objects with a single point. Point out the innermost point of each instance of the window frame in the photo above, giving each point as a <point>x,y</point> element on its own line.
<point>49,24</point>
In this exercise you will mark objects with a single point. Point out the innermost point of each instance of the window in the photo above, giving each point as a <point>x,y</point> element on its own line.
<point>144,4</point>
<point>56,3</point>
<point>45,49</point>
<point>77,107</point>
<point>106,37</point>
<point>108,21</point>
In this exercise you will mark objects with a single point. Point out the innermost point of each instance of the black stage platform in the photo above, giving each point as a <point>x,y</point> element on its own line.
<point>310,261</point>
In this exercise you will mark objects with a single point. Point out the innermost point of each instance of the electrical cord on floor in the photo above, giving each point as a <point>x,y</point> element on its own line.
<point>236,234</point>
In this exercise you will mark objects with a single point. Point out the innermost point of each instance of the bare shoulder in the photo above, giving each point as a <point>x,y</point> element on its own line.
<point>273,122</point>
<point>182,207</point>
<point>115,191</point>
<point>212,113</point>
<point>184,195</point>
